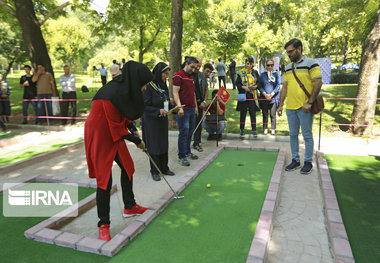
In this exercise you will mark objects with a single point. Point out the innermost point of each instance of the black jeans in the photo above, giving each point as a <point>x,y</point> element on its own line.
<point>198,131</point>
<point>252,112</point>
<point>65,106</point>
<point>233,80</point>
<point>220,78</point>
<point>161,161</point>
<point>104,80</point>
<point>271,109</point>
<point>103,197</point>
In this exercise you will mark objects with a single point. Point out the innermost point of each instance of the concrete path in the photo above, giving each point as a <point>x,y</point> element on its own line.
<point>299,233</point>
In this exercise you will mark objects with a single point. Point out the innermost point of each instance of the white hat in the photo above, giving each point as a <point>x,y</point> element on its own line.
<point>114,70</point>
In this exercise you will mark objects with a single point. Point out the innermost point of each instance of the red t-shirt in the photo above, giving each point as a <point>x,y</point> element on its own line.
<point>187,88</point>
<point>213,108</point>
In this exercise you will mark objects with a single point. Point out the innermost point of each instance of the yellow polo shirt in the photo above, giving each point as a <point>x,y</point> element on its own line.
<point>307,70</point>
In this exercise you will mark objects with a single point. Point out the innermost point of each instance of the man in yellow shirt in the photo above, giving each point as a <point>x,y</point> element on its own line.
<point>298,105</point>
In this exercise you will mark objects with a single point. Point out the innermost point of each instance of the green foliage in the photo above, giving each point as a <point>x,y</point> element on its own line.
<point>343,78</point>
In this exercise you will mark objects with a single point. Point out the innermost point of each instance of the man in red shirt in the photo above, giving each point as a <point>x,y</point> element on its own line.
<point>184,94</point>
<point>215,131</point>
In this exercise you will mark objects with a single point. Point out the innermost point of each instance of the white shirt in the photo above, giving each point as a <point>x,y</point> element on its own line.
<point>67,83</point>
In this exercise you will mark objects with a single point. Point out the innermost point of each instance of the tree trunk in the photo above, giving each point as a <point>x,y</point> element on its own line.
<point>176,39</point>
<point>364,110</point>
<point>32,35</point>
<point>141,46</point>
<point>345,50</point>
<point>9,68</point>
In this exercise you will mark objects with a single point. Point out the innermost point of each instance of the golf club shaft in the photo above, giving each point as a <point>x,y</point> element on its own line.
<point>158,169</point>
<point>204,115</point>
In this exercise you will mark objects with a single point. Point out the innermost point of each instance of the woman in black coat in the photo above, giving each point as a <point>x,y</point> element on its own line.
<point>155,121</point>
<point>248,82</point>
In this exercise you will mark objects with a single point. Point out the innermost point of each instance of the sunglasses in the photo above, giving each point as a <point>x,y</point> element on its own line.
<point>270,65</point>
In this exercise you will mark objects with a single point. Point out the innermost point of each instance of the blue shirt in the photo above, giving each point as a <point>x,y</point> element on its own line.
<point>270,85</point>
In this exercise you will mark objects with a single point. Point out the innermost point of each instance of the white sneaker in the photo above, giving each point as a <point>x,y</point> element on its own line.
<point>273,132</point>
<point>265,131</point>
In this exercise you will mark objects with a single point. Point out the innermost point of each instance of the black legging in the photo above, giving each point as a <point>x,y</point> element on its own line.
<point>220,78</point>
<point>249,105</point>
<point>103,197</point>
<point>271,108</point>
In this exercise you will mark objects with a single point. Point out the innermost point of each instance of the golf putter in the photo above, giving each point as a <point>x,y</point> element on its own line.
<point>176,196</point>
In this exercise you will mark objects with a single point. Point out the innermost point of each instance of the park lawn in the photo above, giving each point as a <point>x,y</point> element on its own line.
<point>34,150</point>
<point>8,135</point>
<point>336,111</point>
<point>356,182</point>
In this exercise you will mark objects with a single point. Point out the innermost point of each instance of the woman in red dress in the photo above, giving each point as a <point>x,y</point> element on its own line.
<point>109,123</point>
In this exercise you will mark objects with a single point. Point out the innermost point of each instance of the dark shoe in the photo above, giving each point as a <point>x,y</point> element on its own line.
<point>168,172</point>
<point>254,134</point>
<point>192,156</point>
<point>25,122</point>
<point>156,177</point>
<point>3,126</point>
<point>183,161</point>
<point>220,137</point>
<point>72,122</point>
<point>198,148</point>
<point>307,167</point>
<point>211,137</point>
<point>293,166</point>
<point>242,134</point>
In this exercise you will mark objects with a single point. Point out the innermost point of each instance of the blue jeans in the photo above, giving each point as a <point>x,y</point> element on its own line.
<point>41,105</point>
<point>297,118</point>
<point>186,125</point>
<point>25,106</point>
<point>211,127</point>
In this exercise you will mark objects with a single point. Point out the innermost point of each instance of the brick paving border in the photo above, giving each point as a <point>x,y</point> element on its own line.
<point>337,232</point>
<point>258,251</point>
<point>48,230</point>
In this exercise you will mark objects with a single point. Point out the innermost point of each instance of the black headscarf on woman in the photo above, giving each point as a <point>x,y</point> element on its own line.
<point>125,92</point>
<point>157,71</point>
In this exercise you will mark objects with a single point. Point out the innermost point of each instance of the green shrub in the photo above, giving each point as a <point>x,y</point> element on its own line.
<point>343,78</point>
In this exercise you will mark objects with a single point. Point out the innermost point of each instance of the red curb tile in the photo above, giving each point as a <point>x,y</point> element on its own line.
<point>55,179</point>
<point>178,187</point>
<point>331,204</point>
<point>230,147</point>
<point>254,260</point>
<point>344,260</point>
<point>277,172</point>
<point>271,149</point>
<point>186,180</point>
<point>258,248</point>
<point>329,194</point>
<point>133,229</point>
<point>93,184</point>
<point>114,245</point>
<point>327,185</point>
<point>69,181</point>
<point>338,230</point>
<point>84,182</point>
<point>262,232</point>
<point>192,174</point>
<point>334,216</point>
<point>255,148</point>
<point>42,178</point>
<point>326,178</point>
<point>266,218</point>
<point>159,205</point>
<point>147,217</point>
<point>342,247</point>
<point>67,239</point>
<point>244,148</point>
<point>168,196</point>
<point>323,171</point>
<point>88,244</point>
<point>61,217</point>
<point>275,179</point>
<point>47,235</point>
<point>271,196</point>
<point>273,187</point>
<point>268,206</point>
<point>34,229</point>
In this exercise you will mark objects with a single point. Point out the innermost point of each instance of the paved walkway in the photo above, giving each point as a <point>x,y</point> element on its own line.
<point>299,233</point>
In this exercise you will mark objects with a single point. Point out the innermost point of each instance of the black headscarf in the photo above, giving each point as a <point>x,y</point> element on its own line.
<point>157,71</point>
<point>124,91</point>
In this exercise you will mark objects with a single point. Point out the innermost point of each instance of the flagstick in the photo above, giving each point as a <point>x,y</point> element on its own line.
<point>217,114</point>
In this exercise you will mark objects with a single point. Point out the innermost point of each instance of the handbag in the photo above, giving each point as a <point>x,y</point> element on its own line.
<point>242,97</point>
<point>318,105</point>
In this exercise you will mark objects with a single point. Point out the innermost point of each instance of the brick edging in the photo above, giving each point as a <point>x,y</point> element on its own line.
<point>259,247</point>
<point>338,238</point>
<point>39,158</point>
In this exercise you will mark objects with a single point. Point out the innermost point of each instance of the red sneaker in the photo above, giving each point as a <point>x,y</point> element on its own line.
<point>135,210</point>
<point>104,232</point>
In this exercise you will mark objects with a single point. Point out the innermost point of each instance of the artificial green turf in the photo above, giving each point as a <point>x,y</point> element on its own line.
<point>30,151</point>
<point>214,224</point>
<point>357,185</point>
<point>16,248</point>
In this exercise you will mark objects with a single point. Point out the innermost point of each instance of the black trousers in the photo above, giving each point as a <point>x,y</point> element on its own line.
<point>103,197</point>
<point>162,162</point>
<point>104,80</point>
<point>198,131</point>
<point>252,112</point>
<point>271,109</point>
<point>65,106</point>
<point>220,78</point>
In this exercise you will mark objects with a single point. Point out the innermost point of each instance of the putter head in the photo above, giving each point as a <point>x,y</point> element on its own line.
<point>179,197</point>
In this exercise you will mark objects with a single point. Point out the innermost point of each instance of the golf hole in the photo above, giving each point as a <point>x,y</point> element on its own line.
<point>240,164</point>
